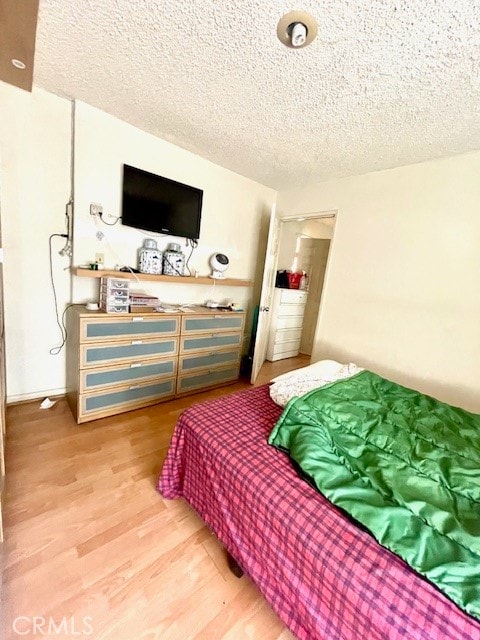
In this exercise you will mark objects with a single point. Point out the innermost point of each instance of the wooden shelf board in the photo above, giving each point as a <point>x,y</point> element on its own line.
<point>227,282</point>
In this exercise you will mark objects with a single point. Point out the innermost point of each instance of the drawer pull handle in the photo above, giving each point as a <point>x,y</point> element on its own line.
<point>137,319</point>
<point>134,386</point>
<point>136,364</point>
<point>137,341</point>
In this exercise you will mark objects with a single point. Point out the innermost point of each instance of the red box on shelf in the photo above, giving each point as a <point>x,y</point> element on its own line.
<point>294,280</point>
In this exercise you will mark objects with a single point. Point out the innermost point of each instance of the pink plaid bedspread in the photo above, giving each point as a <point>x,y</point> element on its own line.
<point>326,578</point>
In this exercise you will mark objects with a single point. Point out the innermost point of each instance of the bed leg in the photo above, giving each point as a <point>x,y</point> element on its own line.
<point>233,565</point>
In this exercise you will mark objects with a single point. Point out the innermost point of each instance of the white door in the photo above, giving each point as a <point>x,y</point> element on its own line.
<point>268,284</point>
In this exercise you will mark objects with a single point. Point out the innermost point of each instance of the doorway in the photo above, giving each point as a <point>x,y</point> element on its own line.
<point>296,243</point>
<point>303,248</point>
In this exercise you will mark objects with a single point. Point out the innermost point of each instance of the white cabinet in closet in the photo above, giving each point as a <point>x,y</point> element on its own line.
<point>286,323</point>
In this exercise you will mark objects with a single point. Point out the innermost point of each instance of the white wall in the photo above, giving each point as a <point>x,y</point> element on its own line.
<point>232,213</point>
<point>288,244</point>
<point>317,229</point>
<point>402,290</point>
<point>35,141</point>
<point>34,189</point>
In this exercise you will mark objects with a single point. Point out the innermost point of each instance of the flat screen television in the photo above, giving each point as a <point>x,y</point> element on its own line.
<point>161,205</point>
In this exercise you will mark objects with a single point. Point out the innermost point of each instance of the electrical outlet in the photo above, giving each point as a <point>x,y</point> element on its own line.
<point>99,258</point>
<point>96,209</point>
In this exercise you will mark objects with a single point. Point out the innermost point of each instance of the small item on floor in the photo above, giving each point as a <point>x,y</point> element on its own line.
<point>47,403</point>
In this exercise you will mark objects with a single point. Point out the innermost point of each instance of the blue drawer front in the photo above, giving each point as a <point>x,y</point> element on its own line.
<point>103,378</point>
<point>99,354</point>
<point>128,395</point>
<point>117,329</point>
<point>203,362</point>
<point>209,378</point>
<point>209,342</point>
<point>207,324</point>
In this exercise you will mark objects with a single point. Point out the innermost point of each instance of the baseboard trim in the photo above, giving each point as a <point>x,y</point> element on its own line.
<point>54,394</point>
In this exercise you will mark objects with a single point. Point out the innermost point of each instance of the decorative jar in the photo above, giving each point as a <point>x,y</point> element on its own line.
<point>173,260</point>
<point>150,257</point>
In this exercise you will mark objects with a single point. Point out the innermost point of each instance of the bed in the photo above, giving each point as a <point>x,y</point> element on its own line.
<point>325,576</point>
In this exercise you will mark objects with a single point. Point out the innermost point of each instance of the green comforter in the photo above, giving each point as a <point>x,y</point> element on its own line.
<point>404,465</point>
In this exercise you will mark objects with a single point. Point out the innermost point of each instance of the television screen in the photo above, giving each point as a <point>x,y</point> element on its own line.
<point>158,204</point>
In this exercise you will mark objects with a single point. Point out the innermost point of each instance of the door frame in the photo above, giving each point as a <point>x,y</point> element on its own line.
<point>315,291</point>
<point>317,215</point>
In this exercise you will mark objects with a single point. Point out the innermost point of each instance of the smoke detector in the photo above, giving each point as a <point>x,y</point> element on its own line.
<point>297,29</point>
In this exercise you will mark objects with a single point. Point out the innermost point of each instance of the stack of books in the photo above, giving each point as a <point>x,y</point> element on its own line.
<point>142,302</point>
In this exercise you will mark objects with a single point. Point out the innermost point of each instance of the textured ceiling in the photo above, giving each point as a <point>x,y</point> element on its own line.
<point>386,82</point>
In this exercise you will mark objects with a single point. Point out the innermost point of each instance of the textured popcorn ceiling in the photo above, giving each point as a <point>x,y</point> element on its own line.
<point>386,82</point>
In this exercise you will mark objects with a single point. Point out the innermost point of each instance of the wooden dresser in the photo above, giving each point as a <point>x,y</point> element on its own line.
<point>119,362</point>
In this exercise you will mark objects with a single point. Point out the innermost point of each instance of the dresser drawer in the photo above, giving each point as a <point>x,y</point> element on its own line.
<point>286,335</point>
<point>288,310</point>
<point>108,328</point>
<point>209,360</point>
<point>208,342</point>
<point>282,356</point>
<point>291,347</point>
<point>113,401</point>
<point>92,355</point>
<point>293,296</point>
<point>209,324</point>
<point>289,322</point>
<point>93,379</point>
<point>211,378</point>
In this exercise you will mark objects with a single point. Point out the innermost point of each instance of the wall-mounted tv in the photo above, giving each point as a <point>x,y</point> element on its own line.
<point>158,204</point>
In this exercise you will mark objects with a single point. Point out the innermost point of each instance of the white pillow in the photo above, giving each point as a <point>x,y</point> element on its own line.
<point>322,368</point>
<point>308,378</point>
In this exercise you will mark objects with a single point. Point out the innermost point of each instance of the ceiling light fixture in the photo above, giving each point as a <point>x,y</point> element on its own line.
<point>297,29</point>
<point>18,64</point>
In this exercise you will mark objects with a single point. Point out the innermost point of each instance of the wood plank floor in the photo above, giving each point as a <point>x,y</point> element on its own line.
<point>94,551</point>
